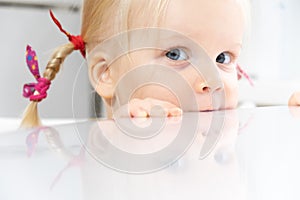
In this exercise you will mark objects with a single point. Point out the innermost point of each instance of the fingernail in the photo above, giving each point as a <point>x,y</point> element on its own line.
<point>142,113</point>
<point>176,112</point>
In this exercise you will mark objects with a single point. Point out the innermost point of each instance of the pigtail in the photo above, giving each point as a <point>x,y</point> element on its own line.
<point>31,116</point>
<point>38,91</point>
<point>57,60</point>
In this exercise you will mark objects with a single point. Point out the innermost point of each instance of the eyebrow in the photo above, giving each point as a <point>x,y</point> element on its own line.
<point>235,46</point>
<point>177,38</point>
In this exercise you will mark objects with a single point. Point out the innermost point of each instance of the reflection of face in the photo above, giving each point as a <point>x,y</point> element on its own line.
<point>190,176</point>
<point>215,25</point>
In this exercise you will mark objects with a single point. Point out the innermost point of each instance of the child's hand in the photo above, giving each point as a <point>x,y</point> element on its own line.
<point>151,108</point>
<point>295,99</point>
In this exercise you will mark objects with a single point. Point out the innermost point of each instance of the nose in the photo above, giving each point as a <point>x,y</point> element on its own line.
<point>201,86</point>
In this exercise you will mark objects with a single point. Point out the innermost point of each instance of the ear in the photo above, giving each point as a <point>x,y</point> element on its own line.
<point>100,78</point>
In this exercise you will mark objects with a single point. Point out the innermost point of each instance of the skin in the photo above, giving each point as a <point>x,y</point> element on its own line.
<point>217,26</point>
<point>294,99</point>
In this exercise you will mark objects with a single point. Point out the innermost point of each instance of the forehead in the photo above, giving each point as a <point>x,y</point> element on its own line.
<point>206,18</point>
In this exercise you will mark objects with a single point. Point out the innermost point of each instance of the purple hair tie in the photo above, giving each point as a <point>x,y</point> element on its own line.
<point>35,91</point>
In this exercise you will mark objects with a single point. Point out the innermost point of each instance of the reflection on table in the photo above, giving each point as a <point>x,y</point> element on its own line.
<point>234,154</point>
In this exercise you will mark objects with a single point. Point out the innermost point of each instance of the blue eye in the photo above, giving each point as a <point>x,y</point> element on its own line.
<point>177,54</point>
<point>223,58</point>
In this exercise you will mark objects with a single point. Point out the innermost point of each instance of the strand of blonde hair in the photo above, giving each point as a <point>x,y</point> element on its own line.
<point>31,116</point>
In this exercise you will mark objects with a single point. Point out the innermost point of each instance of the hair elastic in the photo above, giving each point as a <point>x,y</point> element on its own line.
<point>241,73</point>
<point>77,41</point>
<point>38,91</point>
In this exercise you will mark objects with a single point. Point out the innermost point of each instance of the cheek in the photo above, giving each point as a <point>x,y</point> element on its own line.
<point>156,92</point>
<point>119,68</point>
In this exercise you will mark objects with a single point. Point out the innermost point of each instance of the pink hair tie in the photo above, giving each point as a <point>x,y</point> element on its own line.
<point>77,41</point>
<point>241,73</point>
<point>35,91</point>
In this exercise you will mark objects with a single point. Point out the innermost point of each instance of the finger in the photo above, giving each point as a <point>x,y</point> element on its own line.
<point>158,111</point>
<point>175,112</point>
<point>166,109</point>
<point>138,108</point>
<point>294,99</point>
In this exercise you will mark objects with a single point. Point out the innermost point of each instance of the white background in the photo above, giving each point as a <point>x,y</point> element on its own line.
<point>271,52</point>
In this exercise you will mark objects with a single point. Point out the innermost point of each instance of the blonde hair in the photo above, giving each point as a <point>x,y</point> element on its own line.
<point>103,18</point>
<point>100,20</point>
<point>31,116</point>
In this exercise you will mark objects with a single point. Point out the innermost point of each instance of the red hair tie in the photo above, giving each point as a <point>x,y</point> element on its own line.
<point>77,41</point>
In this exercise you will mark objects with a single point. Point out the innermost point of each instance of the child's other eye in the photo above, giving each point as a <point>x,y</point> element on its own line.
<point>224,58</point>
<point>177,54</point>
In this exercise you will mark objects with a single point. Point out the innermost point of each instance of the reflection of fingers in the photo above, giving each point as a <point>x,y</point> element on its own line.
<point>295,112</point>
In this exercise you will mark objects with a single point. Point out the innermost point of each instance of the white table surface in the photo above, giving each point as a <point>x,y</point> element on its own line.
<point>255,155</point>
